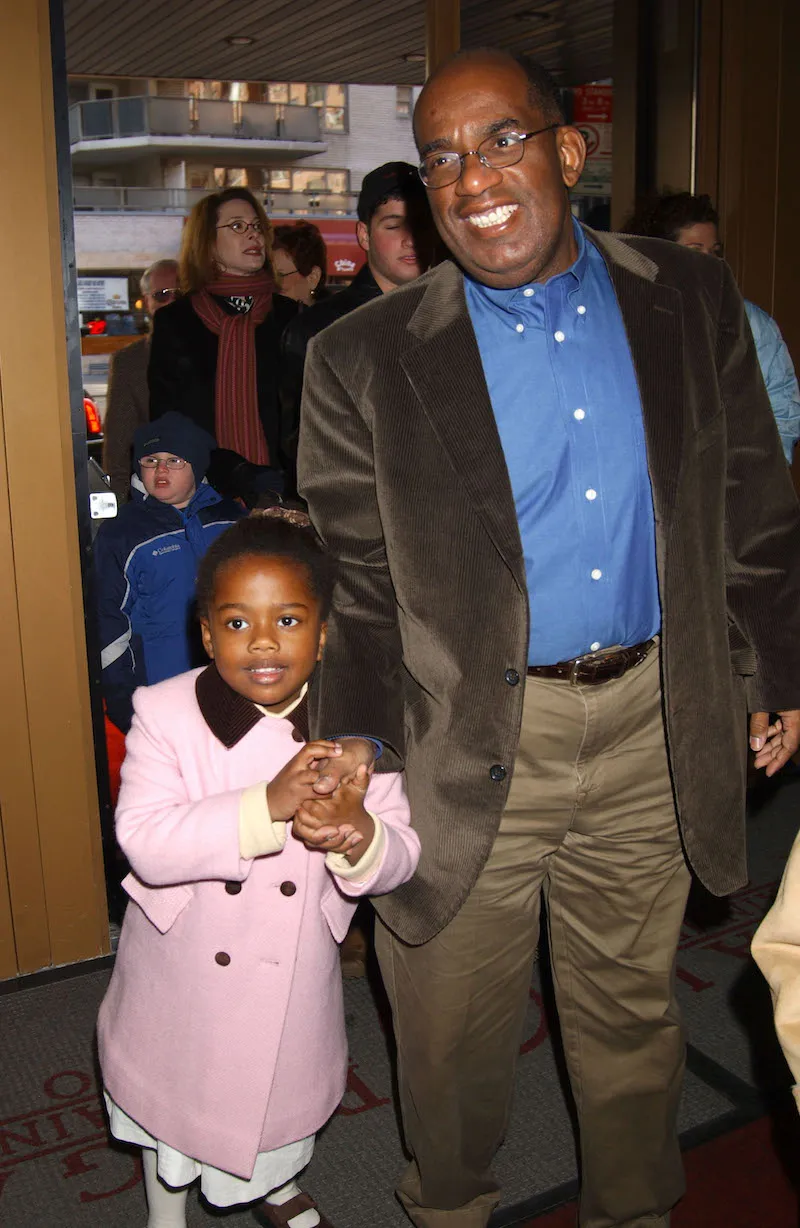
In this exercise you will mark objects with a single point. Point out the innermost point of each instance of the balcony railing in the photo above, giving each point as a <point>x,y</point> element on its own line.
<point>180,200</point>
<point>115,118</point>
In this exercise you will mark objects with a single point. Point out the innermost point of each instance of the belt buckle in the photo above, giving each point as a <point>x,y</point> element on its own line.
<point>573,671</point>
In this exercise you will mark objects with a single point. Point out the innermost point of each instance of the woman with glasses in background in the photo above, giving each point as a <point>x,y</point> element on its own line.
<point>693,222</point>
<point>300,259</point>
<point>215,355</point>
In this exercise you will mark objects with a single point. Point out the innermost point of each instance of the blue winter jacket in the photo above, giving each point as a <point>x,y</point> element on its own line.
<point>145,569</point>
<point>779,377</point>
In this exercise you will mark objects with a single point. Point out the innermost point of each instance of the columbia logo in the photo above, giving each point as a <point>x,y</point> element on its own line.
<point>166,549</point>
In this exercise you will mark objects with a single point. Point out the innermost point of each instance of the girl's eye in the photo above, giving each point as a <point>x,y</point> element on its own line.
<point>288,620</point>
<point>236,624</point>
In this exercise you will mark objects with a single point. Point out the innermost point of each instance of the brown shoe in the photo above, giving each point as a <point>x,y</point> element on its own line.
<point>278,1217</point>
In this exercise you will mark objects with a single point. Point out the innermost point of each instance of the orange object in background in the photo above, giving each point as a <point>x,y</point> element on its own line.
<point>93,424</point>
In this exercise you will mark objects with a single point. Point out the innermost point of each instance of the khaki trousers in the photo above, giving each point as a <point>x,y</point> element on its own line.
<point>591,821</point>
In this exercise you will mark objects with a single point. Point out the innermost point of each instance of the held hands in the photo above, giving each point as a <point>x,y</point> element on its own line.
<point>774,744</point>
<point>294,782</point>
<point>338,823</point>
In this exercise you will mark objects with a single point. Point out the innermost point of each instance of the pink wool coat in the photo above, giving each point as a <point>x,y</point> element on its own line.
<point>222,1030</point>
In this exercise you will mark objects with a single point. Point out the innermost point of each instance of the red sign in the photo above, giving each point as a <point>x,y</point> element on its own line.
<point>592,104</point>
<point>345,257</point>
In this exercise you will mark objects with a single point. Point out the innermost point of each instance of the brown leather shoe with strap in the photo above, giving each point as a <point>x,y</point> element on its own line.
<point>278,1217</point>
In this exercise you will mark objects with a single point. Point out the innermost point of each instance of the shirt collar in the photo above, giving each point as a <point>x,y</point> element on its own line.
<point>515,296</point>
<point>230,716</point>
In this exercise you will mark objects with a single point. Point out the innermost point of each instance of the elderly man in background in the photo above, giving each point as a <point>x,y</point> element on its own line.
<point>127,406</point>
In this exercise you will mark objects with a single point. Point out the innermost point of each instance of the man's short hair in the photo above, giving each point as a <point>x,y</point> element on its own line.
<point>147,275</point>
<point>392,181</point>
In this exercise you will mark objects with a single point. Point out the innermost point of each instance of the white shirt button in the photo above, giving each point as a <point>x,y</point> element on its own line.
<point>559,336</point>
<point>581,311</point>
<point>528,292</point>
<point>520,328</point>
<point>596,574</point>
<point>594,647</point>
<point>580,414</point>
<point>591,494</point>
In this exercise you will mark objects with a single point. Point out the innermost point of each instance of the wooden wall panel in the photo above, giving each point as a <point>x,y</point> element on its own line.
<point>49,803</point>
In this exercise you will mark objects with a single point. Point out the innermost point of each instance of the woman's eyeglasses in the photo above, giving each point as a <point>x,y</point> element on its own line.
<point>241,228</point>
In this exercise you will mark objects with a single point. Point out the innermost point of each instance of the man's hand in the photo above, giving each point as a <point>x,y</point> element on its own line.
<point>355,753</point>
<point>775,744</point>
<point>339,823</point>
<point>294,781</point>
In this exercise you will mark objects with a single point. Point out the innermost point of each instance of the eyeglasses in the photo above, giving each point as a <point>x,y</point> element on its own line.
<point>286,273</point>
<point>503,149</point>
<point>172,462</point>
<point>163,296</point>
<point>240,227</point>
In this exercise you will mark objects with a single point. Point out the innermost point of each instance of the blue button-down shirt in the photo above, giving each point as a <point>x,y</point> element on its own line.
<point>564,393</point>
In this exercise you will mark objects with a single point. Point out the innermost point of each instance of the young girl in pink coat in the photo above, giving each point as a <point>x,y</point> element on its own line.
<point>221,1036</point>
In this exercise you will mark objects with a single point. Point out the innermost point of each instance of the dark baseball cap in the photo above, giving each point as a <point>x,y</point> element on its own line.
<point>392,181</point>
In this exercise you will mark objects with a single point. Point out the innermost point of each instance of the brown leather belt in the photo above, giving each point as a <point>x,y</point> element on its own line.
<point>594,668</point>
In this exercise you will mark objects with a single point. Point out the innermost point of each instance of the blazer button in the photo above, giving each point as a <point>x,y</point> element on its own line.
<point>512,677</point>
<point>222,958</point>
<point>233,888</point>
<point>288,888</point>
<point>497,772</point>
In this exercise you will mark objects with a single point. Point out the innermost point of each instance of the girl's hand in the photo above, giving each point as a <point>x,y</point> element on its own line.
<point>339,823</point>
<point>293,784</point>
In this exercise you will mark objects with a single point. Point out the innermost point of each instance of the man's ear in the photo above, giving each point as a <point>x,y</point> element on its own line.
<point>362,235</point>
<point>323,635</point>
<point>571,153</point>
<point>205,631</point>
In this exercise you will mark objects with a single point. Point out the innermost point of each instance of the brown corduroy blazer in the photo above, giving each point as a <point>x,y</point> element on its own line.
<point>403,469</point>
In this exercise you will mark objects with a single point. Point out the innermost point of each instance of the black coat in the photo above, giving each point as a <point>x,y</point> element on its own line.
<point>182,376</point>
<point>362,289</point>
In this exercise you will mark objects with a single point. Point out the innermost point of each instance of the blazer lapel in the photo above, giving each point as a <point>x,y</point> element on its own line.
<point>445,370</point>
<point>653,318</point>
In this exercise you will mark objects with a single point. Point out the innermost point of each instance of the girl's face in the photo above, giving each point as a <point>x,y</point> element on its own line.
<point>264,629</point>
<point>239,253</point>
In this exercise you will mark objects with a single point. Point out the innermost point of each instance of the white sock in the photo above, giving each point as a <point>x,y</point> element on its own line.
<point>167,1207</point>
<point>306,1219</point>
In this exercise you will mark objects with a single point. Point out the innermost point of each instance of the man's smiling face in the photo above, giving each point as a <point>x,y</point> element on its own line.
<point>504,226</point>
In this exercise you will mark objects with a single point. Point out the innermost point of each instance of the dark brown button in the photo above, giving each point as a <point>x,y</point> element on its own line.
<point>233,888</point>
<point>288,888</point>
<point>222,958</point>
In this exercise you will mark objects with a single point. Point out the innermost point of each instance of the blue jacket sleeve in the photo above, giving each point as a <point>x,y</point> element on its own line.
<point>779,375</point>
<point>120,654</point>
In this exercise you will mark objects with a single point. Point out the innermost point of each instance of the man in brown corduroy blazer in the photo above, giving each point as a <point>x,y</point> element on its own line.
<point>593,778</point>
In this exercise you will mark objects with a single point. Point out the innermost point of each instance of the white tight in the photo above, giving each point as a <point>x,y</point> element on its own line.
<point>166,1207</point>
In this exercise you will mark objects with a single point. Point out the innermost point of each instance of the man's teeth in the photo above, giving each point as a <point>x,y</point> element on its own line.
<point>493,218</point>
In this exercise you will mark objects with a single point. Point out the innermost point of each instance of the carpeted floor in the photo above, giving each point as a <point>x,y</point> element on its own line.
<point>57,1166</point>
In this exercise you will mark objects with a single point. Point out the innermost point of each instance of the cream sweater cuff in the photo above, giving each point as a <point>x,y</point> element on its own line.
<point>365,867</point>
<point>258,835</point>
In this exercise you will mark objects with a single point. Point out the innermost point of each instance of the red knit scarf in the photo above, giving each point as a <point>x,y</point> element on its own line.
<point>237,424</point>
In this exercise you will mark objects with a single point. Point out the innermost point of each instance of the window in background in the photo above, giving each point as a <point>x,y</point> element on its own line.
<point>298,93</point>
<point>278,91</point>
<point>338,181</point>
<point>309,181</point>
<point>404,100</point>
<point>280,179</point>
<point>231,177</point>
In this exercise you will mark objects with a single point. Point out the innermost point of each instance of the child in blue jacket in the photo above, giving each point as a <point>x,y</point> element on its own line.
<point>146,562</point>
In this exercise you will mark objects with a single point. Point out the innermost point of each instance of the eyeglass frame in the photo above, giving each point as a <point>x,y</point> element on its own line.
<point>256,226</point>
<point>153,462</point>
<point>160,295</point>
<point>523,136</point>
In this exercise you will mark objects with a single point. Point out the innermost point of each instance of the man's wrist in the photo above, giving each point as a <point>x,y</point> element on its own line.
<point>374,743</point>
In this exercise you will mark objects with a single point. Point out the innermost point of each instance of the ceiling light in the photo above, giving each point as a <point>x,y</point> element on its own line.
<point>240,40</point>
<point>414,57</point>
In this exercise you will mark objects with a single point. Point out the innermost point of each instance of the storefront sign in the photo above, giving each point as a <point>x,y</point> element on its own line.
<point>592,114</point>
<point>345,257</point>
<point>102,294</point>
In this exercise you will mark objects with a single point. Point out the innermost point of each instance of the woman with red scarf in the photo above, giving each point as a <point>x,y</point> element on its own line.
<point>215,355</point>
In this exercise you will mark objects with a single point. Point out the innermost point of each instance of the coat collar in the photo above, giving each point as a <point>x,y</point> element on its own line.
<point>230,716</point>
<point>445,369</point>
